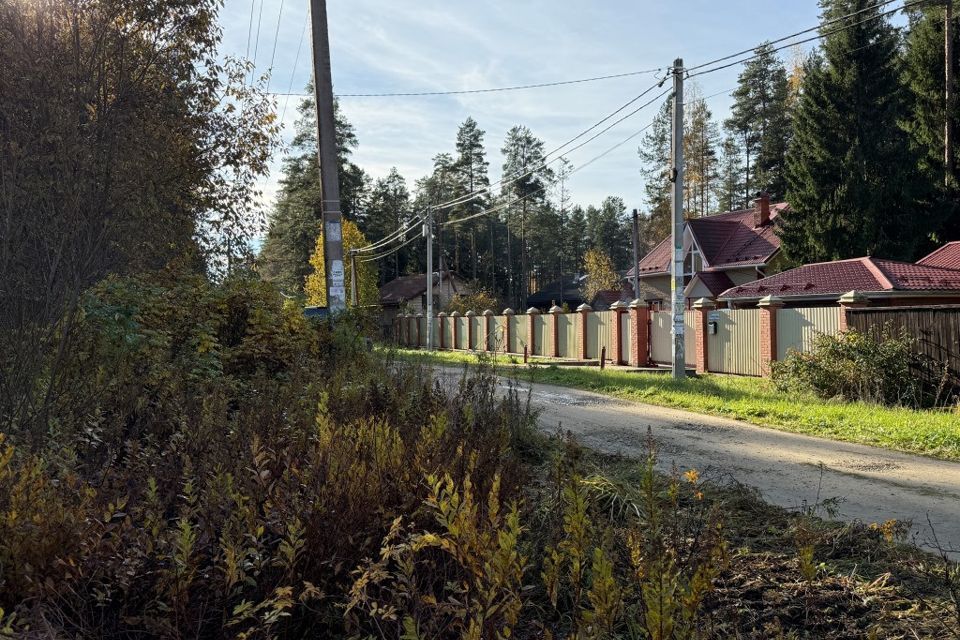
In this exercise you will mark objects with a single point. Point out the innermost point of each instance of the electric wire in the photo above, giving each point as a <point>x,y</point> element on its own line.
<point>392,236</point>
<point>380,256</point>
<point>520,87</point>
<point>904,7</point>
<point>296,60</point>
<point>273,54</point>
<point>256,43</point>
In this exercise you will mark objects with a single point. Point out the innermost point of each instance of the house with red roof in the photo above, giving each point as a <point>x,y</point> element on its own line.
<point>719,252</point>
<point>934,279</point>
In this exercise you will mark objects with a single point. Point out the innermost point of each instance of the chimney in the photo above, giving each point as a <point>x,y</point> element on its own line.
<point>761,209</point>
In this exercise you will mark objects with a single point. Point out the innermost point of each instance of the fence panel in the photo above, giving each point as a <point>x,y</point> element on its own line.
<point>499,327</point>
<point>735,348</point>
<point>421,332</point>
<point>593,335</point>
<point>436,333</point>
<point>690,338</point>
<point>936,330</point>
<point>625,335</point>
<point>541,335</point>
<point>604,332</point>
<point>567,334</point>
<point>797,328</point>
<point>478,324</point>
<point>661,342</point>
<point>462,336</point>
<point>447,333</point>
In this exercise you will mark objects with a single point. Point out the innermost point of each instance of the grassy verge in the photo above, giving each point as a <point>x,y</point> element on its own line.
<point>932,433</point>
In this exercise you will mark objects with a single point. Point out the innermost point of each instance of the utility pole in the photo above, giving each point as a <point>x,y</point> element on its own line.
<point>327,156</point>
<point>428,234</point>
<point>636,254</point>
<point>353,278</point>
<point>948,159</point>
<point>676,175</point>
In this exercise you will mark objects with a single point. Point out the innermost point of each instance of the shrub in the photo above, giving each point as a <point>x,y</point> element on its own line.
<point>853,366</point>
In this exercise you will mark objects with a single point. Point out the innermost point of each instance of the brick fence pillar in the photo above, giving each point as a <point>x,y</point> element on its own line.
<point>584,310</point>
<point>703,307</point>
<point>508,316</point>
<point>618,309</point>
<point>470,337</point>
<point>639,333</point>
<point>768,332</point>
<point>533,316</point>
<point>555,312</point>
<point>849,301</point>
<point>488,343</point>
<point>442,320</point>
<point>455,321</point>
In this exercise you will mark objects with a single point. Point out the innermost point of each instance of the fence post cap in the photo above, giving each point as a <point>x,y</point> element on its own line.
<point>770,301</point>
<point>704,303</point>
<point>533,310</point>
<point>636,303</point>
<point>584,307</point>
<point>619,304</point>
<point>488,312</point>
<point>455,314</point>
<point>556,309</point>
<point>508,311</point>
<point>470,313</point>
<point>442,314</point>
<point>420,315</point>
<point>852,298</point>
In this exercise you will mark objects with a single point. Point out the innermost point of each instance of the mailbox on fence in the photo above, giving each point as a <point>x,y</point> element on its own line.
<point>713,321</point>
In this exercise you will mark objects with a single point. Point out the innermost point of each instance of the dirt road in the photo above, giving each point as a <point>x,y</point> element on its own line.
<point>789,469</point>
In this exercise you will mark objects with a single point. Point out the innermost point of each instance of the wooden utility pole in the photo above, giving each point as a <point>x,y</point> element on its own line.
<point>327,156</point>
<point>676,175</point>
<point>949,162</point>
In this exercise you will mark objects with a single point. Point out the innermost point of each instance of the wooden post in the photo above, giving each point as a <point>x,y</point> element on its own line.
<point>419,337</point>
<point>455,319</point>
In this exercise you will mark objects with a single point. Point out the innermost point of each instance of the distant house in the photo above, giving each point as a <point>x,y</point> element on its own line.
<point>719,252</point>
<point>565,291</point>
<point>934,279</point>
<point>409,294</point>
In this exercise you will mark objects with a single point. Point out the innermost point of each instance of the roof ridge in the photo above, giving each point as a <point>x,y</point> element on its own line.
<point>874,268</point>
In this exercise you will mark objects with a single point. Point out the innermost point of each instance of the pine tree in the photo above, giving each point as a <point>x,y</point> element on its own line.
<point>730,188</point>
<point>470,173</point>
<point>924,74</point>
<point>295,221</point>
<point>852,179</point>
<point>655,155</point>
<point>760,122</point>
<point>526,178</point>
<point>700,141</point>
<point>388,209</point>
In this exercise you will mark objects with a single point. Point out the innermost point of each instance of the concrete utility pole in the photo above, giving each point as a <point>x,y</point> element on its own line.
<point>636,254</point>
<point>949,162</point>
<point>353,278</point>
<point>428,234</point>
<point>327,156</point>
<point>676,175</point>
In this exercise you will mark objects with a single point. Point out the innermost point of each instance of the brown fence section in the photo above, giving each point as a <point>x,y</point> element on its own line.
<point>935,330</point>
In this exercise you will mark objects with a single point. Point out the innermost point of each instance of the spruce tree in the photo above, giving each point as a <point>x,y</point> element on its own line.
<point>294,223</point>
<point>853,182</point>
<point>924,74</point>
<point>760,122</point>
<point>388,209</point>
<point>730,189</point>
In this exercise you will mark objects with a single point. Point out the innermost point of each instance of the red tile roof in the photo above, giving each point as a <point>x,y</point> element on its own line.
<point>947,256</point>
<point>857,274</point>
<point>726,239</point>
<point>716,282</point>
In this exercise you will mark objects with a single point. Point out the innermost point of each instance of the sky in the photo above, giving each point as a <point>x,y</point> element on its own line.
<point>382,46</point>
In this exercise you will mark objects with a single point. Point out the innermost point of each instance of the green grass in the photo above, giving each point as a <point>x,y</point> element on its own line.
<point>754,400</point>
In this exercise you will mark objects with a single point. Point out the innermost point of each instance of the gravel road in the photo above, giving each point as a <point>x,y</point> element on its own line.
<point>789,469</point>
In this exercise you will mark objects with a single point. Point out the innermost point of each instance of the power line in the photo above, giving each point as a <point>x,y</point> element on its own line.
<point>380,256</point>
<point>273,54</point>
<point>293,73</point>
<point>393,236</point>
<point>253,4</point>
<point>906,5</point>
<point>256,43</point>
<point>540,85</point>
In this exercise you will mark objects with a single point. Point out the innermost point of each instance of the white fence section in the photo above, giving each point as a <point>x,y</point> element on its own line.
<point>661,341</point>
<point>797,328</point>
<point>567,334</point>
<point>735,348</point>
